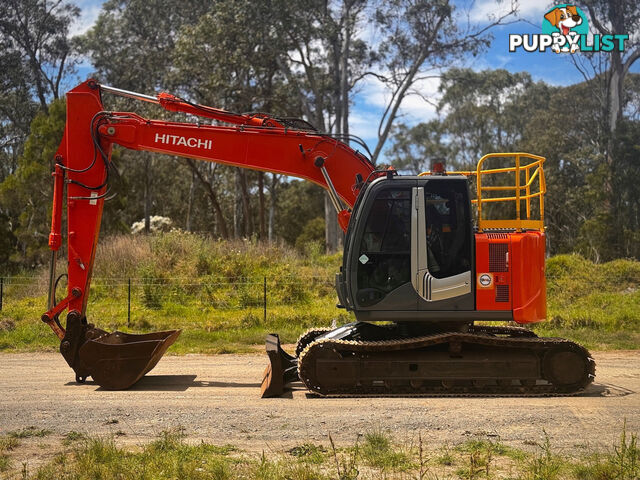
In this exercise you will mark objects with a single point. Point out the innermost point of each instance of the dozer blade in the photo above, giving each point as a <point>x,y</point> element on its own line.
<point>282,369</point>
<point>118,360</point>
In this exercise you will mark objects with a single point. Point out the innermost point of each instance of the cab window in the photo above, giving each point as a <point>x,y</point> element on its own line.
<point>384,258</point>
<point>448,228</point>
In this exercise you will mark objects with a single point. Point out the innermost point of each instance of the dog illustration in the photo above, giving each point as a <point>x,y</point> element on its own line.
<point>564,19</point>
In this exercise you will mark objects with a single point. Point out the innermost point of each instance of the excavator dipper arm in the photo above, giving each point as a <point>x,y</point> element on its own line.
<point>82,166</point>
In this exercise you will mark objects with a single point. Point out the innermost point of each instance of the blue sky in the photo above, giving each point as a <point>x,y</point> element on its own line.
<point>369,102</point>
<point>552,68</point>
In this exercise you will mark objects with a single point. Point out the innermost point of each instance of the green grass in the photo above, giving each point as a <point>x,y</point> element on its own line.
<point>309,453</point>
<point>30,432</point>
<point>622,462</point>
<point>597,305</point>
<point>545,465</point>
<point>71,437</point>
<point>172,456</point>
<point>7,444</point>
<point>445,457</point>
<point>5,462</point>
<point>478,458</point>
<point>204,329</point>
<point>379,451</point>
<point>213,291</point>
<point>495,447</point>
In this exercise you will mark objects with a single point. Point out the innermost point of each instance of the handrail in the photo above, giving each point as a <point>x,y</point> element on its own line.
<point>520,191</point>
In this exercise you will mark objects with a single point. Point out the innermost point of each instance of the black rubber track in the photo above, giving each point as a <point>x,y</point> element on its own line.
<point>309,336</point>
<point>513,339</point>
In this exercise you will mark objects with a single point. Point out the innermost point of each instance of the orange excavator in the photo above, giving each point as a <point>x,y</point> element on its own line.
<point>422,277</point>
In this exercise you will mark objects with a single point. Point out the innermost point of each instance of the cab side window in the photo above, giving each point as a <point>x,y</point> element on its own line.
<point>448,228</point>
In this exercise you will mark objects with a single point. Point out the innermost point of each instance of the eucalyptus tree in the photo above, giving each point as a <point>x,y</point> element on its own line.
<point>130,46</point>
<point>419,39</point>
<point>36,49</point>
<point>229,59</point>
<point>36,55</point>
<point>607,73</point>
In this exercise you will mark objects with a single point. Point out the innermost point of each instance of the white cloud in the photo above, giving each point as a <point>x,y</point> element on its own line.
<point>486,10</point>
<point>375,95</point>
<point>89,11</point>
<point>372,99</point>
<point>364,126</point>
<point>421,103</point>
<point>495,61</point>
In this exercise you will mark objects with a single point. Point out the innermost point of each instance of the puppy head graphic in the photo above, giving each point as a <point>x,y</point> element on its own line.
<point>564,18</point>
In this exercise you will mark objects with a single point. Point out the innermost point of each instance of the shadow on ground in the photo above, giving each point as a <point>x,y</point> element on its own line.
<point>180,383</point>
<point>171,383</point>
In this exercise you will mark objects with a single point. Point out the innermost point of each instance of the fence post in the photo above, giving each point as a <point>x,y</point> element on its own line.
<point>265,299</point>
<point>1,291</point>
<point>129,303</point>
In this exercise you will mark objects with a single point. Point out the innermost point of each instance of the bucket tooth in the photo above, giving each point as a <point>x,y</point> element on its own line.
<point>118,360</point>
<point>282,369</point>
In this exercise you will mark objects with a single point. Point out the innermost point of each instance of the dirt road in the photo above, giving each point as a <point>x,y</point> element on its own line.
<point>216,398</point>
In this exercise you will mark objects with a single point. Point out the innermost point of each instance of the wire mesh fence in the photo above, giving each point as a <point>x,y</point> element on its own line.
<point>220,293</point>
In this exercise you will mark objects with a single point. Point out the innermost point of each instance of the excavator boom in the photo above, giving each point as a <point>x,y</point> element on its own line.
<point>82,166</point>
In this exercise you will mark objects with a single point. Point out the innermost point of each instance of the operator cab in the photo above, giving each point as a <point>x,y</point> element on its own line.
<point>409,251</point>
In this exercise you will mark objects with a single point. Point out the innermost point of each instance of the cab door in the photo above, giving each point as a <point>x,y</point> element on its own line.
<point>382,257</point>
<point>441,239</point>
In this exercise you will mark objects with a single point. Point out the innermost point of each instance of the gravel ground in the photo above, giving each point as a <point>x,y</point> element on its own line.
<point>216,399</point>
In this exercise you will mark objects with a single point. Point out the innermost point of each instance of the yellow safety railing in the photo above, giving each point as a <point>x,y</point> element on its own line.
<point>528,163</point>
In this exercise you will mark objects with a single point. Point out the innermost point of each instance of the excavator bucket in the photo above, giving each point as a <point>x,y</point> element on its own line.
<point>282,369</point>
<point>118,360</point>
<point>115,360</point>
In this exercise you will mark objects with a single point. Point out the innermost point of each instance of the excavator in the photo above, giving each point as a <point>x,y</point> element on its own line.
<point>426,267</point>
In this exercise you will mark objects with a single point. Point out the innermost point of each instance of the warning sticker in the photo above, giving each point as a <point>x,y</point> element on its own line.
<point>485,280</point>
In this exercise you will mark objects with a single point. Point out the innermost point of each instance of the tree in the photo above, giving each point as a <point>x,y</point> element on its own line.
<point>248,79</point>
<point>299,202</point>
<point>322,60</point>
<point>486,111</point>
<point>35,43</point>
<point>606,73</point>
<point>614,17</point>
<point>561,130</point>
<point>206,175</point>
<point>131,43</point>
<point>7,245</point>
<point>348,56</point>
<point>131,46</point>
<point>416,36</point>
<point>35,54</point>
<point>17,109</point>
<point>416,148</point>
<point>26,194</point>
<point>500,111</point>
<point>419,38</point>
<point>626,187</point>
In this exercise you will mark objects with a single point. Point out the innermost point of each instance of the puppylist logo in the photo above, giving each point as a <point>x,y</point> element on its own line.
<point>565,29</point>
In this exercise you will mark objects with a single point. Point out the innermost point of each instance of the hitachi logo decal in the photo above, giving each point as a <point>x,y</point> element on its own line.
<point>187,142</point>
